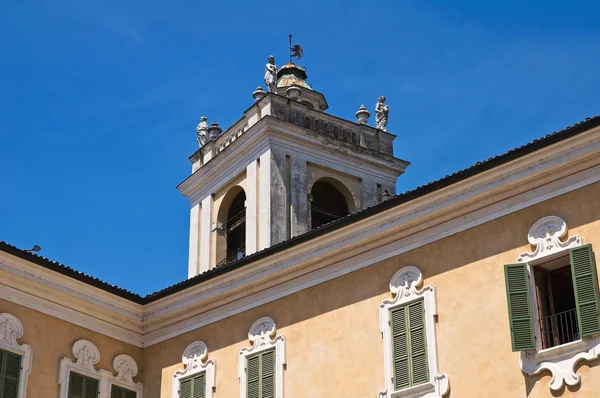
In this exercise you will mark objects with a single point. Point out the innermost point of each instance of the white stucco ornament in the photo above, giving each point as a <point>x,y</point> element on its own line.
<point>10,329</point>
<point>261,332</point>
<point>546,236</point>
<point>87,354</point>
<point>561,361</point>
<point>126,368</point>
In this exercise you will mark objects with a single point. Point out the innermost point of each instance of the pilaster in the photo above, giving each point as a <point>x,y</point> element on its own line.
<point>194,240</point>
<point>205,234</point>
<point>252,207</point>
<point>279,195</point>
<point>299,196</point>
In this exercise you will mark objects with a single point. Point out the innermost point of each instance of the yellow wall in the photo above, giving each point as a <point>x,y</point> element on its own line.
<point>52,339</point>
<point>334,346</point>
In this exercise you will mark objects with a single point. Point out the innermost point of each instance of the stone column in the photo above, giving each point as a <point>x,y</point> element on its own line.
<point>205,234</point>
<point>194,240</point>
<point>299,196</point>
<point>251,207</point>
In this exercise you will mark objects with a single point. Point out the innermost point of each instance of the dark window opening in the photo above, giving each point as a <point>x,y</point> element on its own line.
<point>556,305</point>
<point>235,228</point>
<point>327,205</point>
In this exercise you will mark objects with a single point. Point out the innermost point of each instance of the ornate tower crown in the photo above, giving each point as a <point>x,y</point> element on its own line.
<point>284,168</point>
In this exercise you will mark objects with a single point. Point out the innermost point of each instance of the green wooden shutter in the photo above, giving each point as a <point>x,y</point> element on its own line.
<point>10,370</point>
<point>418,343</point>
<point>585,284</point>
<point>260,381</point>
<point>400,347</point>
<point>120,392</point>
<point>185,389</point>
<point>82,387</point>
<point>253,377</point>
<point>267,368</point>
<point>520,316</point>
<point>199,386</point>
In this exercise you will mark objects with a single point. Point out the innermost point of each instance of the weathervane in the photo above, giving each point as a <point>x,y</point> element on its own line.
<point>295,50</point>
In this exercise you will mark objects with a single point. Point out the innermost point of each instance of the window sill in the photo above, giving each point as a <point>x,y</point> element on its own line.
<point>436,388</point>
<point>560,361</point>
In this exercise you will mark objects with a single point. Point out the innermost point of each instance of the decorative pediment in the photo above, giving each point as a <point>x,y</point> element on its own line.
<point>261,332</point>
<point>10,329</point>
<point>545,235</point>
<point>87,354</point>
<point>126,368</point>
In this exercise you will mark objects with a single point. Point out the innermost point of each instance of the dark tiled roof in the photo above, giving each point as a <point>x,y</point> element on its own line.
<point>396,200</point>
<point>68,271</point>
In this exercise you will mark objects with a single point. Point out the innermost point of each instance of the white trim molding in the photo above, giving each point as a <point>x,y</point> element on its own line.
<point>546,236</point>
<point>404,286</point>
<point>87,356</point>
<point>262,336</point>
<point>194,359</point>
<point>11,329</point>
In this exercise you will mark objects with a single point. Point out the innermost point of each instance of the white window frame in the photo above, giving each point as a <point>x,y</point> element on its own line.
<point>11,329</point>
<point>545,235</point>
<point>262,335</point>
<point>404,287</point>
<point>194,359</point>
<point>88,355</point>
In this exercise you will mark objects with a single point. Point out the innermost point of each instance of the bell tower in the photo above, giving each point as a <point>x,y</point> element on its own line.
<point>284,168</point>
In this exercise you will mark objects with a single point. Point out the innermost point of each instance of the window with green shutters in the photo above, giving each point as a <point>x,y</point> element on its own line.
<point>260,378</point>
<point>409,345</point>
<point>120,392</point>
<point>10,370</point>
<point>583,320</point>
<point>81,386</point>
<point>193,387</point>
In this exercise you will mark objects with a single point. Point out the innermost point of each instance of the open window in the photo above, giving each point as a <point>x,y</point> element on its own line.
<point>553,303</point>
<point>231,227</point>
<point>556,306</point>
<point>328,203</point>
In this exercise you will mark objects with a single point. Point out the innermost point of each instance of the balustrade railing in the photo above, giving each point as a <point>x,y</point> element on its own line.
<point>559,328</point>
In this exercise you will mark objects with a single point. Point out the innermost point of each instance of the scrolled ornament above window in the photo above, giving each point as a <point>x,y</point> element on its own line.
<point>545,235</point>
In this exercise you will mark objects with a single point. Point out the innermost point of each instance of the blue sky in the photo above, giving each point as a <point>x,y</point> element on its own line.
<point>99,101</point>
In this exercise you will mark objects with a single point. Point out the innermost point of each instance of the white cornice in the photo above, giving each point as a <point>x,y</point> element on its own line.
<point>542,175</point>
<point>267,130</point>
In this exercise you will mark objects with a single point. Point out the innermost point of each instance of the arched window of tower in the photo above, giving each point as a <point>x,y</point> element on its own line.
<point>328,202</point>
<point>231,242</point>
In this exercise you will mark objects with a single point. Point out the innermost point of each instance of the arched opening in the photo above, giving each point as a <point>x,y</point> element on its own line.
<point>231,239</point>
<point>327,205</point>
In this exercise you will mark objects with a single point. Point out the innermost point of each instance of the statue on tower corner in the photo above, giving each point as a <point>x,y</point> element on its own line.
<point>271,75</point>
<point>202,131</point>
<point>381,114</point>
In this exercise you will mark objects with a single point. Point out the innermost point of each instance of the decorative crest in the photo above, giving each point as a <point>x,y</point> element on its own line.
<point>10,329</point>
<point>295,50</point>
<point>406,282</point>
<point>87,354</point>
<point>262,332</point>
<point>546,236</point>
<point>126,368</point>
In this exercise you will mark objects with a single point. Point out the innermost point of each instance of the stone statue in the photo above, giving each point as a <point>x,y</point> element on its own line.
<point>271,75</point>
<point>381,114</point>
<point>202,131</point>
